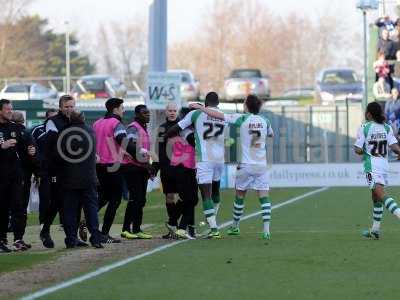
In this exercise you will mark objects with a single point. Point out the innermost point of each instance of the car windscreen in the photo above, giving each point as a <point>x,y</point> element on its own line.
<point>339,77</point>
<point>246,74</point>
<point>93,85</point>
<point>17,89</point>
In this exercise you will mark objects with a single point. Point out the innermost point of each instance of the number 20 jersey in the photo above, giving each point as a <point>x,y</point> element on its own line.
<point>375,139</point>
<point>209,136</point>
<point>253,131</point>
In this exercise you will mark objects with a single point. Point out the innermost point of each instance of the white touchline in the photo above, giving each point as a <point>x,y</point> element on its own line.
<point>126,261</point>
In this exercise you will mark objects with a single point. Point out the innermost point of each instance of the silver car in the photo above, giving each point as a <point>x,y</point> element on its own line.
<point>27,91</point>
<point>190,87</point>
<point>242,82</point>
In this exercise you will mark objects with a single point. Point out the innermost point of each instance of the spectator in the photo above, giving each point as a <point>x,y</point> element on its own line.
<point>381,90</point>
<point>381,66</point>
<point>77,179</point>
<point>385,23</point>
<point>396,71</point>
<point>392,106</point>
<point>386,45</point>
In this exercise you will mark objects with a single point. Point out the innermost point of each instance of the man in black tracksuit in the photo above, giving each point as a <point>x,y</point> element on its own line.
<point>168,177</point>
<point>12,148</point>
<point>28,163</point>
<point>48,204</point>
<point>54,126</point>
<point>77,180</point>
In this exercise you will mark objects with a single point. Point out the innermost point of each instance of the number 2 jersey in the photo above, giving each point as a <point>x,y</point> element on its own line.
<point>374,139</point>
<point>209,135</point>
<point>253,133</point>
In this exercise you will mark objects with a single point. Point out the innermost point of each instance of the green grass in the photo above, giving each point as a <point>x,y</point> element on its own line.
<point>15,261</point>
<point>154,214</point>
<point>316,252</point>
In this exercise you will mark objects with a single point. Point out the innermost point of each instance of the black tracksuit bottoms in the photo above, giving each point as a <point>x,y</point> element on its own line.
<point>136,179</point>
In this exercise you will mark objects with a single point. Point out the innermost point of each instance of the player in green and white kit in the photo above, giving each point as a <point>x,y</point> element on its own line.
<point>252,169</point>
<point>210,150</point>
<point>373,139</point>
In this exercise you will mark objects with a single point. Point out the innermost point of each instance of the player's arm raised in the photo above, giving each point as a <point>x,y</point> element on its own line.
<point>211,112</point>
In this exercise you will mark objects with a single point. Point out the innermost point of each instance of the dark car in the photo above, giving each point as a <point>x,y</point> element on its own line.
<point>334,86</point>
<point>98,86</point>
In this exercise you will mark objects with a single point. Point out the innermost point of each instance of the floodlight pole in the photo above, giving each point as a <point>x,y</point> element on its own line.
<point>365,98</point>
<point>67,60</point>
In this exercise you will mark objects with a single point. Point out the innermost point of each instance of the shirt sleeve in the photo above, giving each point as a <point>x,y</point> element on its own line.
<point>50,126</point>
<point>232,118</point>
<point>391,138</point>
<point>132,133</point>
<point>360,138</point>
<point>119,129</point>
<point>186,121</point>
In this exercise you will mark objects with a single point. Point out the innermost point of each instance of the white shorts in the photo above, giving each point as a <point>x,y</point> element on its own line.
<point>208,171</point>
<point>376,178</point>
<point>251,177</point>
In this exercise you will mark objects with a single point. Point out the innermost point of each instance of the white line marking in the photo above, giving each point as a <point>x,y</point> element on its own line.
<point>126,261</point>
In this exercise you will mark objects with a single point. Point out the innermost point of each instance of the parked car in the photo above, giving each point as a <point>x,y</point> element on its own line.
<point>333,86</point>
<point>242,82</point>
<point>190,87</point>
<point>98,86</point>
<point>27,91</point>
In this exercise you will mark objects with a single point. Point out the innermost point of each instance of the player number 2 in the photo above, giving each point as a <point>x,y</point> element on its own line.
<point>255,136</point>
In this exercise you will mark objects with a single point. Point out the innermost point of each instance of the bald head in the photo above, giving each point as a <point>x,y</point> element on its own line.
<point>18,117</point>
<point>171,111</point>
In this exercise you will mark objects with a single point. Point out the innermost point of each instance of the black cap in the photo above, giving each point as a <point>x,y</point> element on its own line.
<point>139,107</point>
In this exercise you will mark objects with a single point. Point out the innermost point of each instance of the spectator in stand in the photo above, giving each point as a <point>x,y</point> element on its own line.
<point>392,110</point>
<point>386,45</point>
<point>381,90</point>
<point>396,71</point>
<point>381,66</point>
<point>385,23</point>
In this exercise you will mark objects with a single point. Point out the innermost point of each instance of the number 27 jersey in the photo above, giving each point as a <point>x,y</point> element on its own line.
<point>374,139</point>
<point>209,135</point>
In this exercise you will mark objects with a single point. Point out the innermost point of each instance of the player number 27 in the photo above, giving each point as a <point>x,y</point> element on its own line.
<point>210,132</point>
<point>379,148</point>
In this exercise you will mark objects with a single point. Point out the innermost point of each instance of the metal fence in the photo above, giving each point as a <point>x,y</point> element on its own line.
<point>315,134</point>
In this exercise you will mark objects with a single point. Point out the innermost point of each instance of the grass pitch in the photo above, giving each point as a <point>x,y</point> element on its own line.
<point>316,252</point>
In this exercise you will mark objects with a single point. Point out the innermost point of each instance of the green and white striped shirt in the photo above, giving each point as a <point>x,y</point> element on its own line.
<point>374,139</point>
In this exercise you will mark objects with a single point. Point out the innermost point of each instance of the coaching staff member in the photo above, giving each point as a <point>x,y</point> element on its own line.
<point>76,148</point>
<point>168,177</point>
<point>12,148</point>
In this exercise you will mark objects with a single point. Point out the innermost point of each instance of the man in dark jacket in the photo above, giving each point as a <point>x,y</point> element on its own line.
<point>168,177</point>
<point>386,45</point>
<point>12,148</point>
<point>76,148</point>
<point>48,204</point>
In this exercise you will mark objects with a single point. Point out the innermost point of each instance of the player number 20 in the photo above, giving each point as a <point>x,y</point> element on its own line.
<point>379,148</point>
